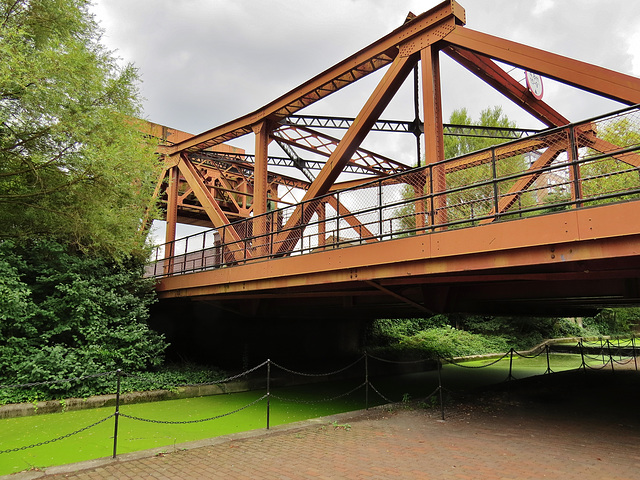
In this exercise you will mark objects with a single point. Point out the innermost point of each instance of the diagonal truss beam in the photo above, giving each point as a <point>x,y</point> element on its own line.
<point>602,146</point>
<point>351,219</point>
<point>393,79</point>
<point>487,70</point>
<point>526,181</point>
<point>368,60</point>
<point>601,81</point>
<point>211,207</point>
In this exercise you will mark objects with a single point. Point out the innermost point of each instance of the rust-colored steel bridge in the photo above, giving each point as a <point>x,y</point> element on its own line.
<point>546,222</point>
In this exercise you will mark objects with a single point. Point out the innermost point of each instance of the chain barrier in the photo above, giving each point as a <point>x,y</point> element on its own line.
<point>400,362</point>
<point>203,384</point>
<point>622,362</point>
<point>521,355</point>
<point>597,358</point>
<point>51,382</point>
<point>601,367</point>
<point>184,422</point>
<point>323,400</point>
<point>608,353</point>
<point>452,362</point>
<point>39,444</point>
<point>317,374</point>
<point>388,400</point>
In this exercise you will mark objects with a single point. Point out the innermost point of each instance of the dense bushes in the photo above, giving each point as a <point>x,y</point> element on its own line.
<point>460,335</point>
<point>64,314</point>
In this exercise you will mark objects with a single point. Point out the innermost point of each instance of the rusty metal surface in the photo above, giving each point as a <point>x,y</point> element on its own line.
<point>561,204</point>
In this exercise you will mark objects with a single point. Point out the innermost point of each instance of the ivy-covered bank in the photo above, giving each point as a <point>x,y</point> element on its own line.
<point>66,314</point>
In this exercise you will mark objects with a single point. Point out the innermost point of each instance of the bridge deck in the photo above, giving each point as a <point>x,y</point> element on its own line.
<point>571,260</point>
<point>549,223</point>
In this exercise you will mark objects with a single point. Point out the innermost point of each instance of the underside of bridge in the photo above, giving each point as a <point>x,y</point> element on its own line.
<point>339,237</point>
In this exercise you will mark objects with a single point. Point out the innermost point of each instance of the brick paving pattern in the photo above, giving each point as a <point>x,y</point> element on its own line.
<point>546,434</point>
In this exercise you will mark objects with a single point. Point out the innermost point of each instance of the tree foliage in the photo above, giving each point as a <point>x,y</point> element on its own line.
<point>472,201</point>
<point>64,314</point>
<point>73,165</point>
<point>609,175</point>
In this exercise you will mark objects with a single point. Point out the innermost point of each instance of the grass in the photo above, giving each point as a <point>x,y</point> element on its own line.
<point>135,435</point>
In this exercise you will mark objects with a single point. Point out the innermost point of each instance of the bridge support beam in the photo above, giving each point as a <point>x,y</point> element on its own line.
<point>375,105</point>
<point>433,130</point>
<point>260,187</point>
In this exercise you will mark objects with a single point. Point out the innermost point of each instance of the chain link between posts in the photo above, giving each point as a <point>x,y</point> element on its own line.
<point>184,422</point>
<point>39,444</point>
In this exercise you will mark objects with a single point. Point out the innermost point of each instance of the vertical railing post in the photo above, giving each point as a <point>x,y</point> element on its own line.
<point>633,349</point>
<point>548,364</point>
<point>366,381</point>
<point>575,169</point>
<point>223,246</point>
<point>510,377</point>
<point>338,220</point>
<point>584,365</point>
<point>440,387</point>
<point>494,174</point>
<point>301,227</point>
<point>204,246</point>
<point>610,354</point>
<point>380,225</point>
<point>432,213</point>
<point>116,415</point>
<point>268,391</point>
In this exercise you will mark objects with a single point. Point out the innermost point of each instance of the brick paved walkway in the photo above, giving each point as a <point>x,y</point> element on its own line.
<point>542,432</point>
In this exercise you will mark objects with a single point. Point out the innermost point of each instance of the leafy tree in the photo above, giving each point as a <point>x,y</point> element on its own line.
<point>609,175</point>
<point>64,314</point>
<point>73,165</point>
<point>613,321</point>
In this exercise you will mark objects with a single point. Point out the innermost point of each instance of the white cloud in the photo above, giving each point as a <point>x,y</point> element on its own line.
<point>542,6</point>
<point>205,62</point>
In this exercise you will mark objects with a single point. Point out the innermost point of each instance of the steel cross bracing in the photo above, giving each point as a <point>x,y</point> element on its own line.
<point>409,127</point>
<point>227,185</point>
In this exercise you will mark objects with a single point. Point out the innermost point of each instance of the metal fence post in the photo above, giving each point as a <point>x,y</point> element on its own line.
<point>584,365</point>
<point>510,377</point>
<point>633,349</point>
<point>366,381</point>
<point>116,415</point>
<point>496,193</point>
<point>268,391</point>
<point>440,387</point>
<point>548,364</point>
<point>610,354</point>
<point>380,225</point>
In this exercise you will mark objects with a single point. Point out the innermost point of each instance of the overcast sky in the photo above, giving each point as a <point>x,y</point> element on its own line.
<point>205,62</point>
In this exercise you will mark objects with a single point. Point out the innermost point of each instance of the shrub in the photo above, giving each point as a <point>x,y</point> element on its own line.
<point>64,314</point>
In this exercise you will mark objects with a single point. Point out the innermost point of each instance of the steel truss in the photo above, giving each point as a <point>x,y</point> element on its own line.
<point>226,185</point>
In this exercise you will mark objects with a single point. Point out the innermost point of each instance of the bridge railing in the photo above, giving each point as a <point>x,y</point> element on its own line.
<point>590,163</point>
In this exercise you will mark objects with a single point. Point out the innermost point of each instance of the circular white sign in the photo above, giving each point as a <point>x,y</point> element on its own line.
<point>534,84</point>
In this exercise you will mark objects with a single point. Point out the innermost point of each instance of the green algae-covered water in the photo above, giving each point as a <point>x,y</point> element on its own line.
<point>287,405</point>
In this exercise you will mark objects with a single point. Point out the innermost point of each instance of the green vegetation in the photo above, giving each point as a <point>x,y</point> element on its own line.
<point>64,314</point>
<point>72,164</point>
<point>460,335</point>
<point>76,182</point>
<point>472,201</point>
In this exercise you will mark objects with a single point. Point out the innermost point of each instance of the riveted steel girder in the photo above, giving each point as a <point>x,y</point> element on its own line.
<point>601,81</point>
